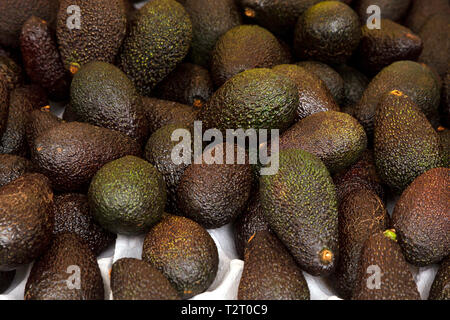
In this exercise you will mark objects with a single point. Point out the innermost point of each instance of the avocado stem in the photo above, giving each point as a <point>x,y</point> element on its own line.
<point>390,233</point>
<point>74,67</point>
<point>249,13</point>
<point>326,256</point>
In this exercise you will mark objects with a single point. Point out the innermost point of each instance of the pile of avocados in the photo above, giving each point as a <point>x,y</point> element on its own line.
<point>355,111</point>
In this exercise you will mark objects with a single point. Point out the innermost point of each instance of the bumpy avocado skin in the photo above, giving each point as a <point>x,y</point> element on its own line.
<point>300,205</point>
<point>257,98</point>
<point>38,122</point>
<point>184,252</point>
<point>245,47</point>
<point>50,275</point>
<point>12,167</point>
<point>210,20</point>
<point>421,218</point>
<point>335,137</point>
<point>71,153</point>
<point>440,289</point>
<point>133,279</point>
<point>270,272</point>
<point>405,143</point>
<point>421,11</point>
<point>355,83</point>
<point>102,95</point>
<point>158,40</point>
<point>127,196</point>
<point>27,220</point>
<point>11,72</point>
<point>100,35</point>
<point>413,79</point>
<point>313,95</point>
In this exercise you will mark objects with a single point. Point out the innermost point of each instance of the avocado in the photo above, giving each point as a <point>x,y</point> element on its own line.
<point>127,196</point>
<point>405,143</point>
<point>70,115</point>
<point>35,94</point>
<point>161,113</point>
<point>277,16</point>
<point>6,278</point>
<point>214,194</point>
<point>158,40</point>
<point>38,122</point>
<point>394,10</point>
<point>11,71</point>
<point>26,222</point>
<point>328,32</point>
<point>381,47</point>
<point>102,95</point>
<point>361,214</point>
<point>68,263</point>
<point>188,84</point>
<point>256,98</point>
<point>422,10</point>
<point>382,259</point>
<point>14,139</point>
<point>13,167</point>
<point>360,175</point>
<point>444,137</point>
<point>270,272</point>
<point>355,83</point>
<point>440,289</point>
<point>71,153</point>
<point>413,79</point>
<point>210,20</point>
<point>100,34</point>
<point>14,13</point>
<point>445,103</point>
<point>300,205</point>
<point>251,221</point>
<point>421,218</point>
<point>72,214</point>
<point>245,47</point>
<point>184,252</point>
<point>133,279</point>
<point>313,94</point>
<point>41,58</point>
<point>436,45</point>
<point>328,75</point>
<point>4,104</point>
<point>158,152</point>
<point>335,137</point>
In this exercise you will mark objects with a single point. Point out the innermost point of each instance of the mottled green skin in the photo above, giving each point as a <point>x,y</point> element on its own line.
<point>184,252</point>
<point>299,203</point>
<point>440,289</point>
<point>158,40</point>
<point>413,79</point>
<point>397,282</point>
<point>133,279</point>
<point>6,278</point>
<point>421,218</point>
<point>405,143</point>
<point>335,137</point>
<point>102,95</point>
<point>127,196</point>
<point>257,98</point>
<point>210,20</point>
<point>270,272</point>
<point>328,32</point>
<point>245,47</point>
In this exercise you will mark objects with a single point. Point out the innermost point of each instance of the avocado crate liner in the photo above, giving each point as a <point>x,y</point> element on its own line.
<point>225,286</point>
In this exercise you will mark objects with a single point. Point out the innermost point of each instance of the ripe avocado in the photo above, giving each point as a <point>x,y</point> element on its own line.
<point>270,272</point>
<point>184,252</point>
<point>313,94</point>
<point>335,137</point>
<point>245,47</point>
<point>444,137</point>
<point>421,10</point>
<point>421,218</point>
<point>355,83</point>
<point>4,104</point>
<point>405,143</point>
<point>11,71</point>
<point>51,273</point>
<point>72,215</point>
<point>328,32</point>
<point>102,95</point>
<point>12,167</point>
<point>127,196</point>
<point>71,153</point>
<point>26,221</point>
<point>256,98</point>
<point>99,36</point>
<point>158,40</point>
<point>38,122</point>
<point>35,94</point>
<point>133,279</point>
<point>300,205</point>
<point>440,289</point>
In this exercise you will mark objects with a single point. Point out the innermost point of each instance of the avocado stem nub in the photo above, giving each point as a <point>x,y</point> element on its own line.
<point>46,109</point>
<point>390,233</point>
<point>198,103</point>
<point>326,256</point>
<point>74,67</point>
<point>249,13</point>
<point>251,238</point>
<point>397,93</point>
